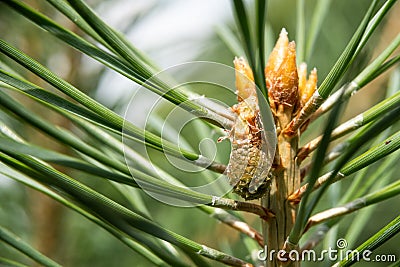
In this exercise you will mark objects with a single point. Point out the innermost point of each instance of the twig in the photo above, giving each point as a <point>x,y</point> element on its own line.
<point>379,151</point>
<point>231,204</point>
<point>333,154</point>
<point>341,130</point>
<point>316,238</point>
<point>209,164</point>
<point>354,123</point>
<point>224,258</point>
<point>295,197</point>
<point>310,107</point>
<point>345,92</point>
<point>335,212</point>
<point>359,203</point>
<point>213,106</point>
<point>237,224</point>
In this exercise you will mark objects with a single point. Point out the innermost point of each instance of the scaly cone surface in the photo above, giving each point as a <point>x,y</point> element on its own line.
<point>288,89</point>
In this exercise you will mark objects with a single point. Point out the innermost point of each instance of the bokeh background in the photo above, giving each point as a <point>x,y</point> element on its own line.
<point>171,32</point>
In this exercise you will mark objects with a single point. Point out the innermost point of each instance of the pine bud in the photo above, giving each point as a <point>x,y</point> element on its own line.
<point>281,75</point>
<point>244,79</point>
<point>308,86</point>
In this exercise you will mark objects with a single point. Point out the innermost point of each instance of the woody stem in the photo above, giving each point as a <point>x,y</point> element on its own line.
<point>286,178</point>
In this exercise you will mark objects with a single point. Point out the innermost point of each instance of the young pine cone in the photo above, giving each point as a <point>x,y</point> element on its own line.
<point>249,160</point>
<point>288,91</point>
<point>288,87</point>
